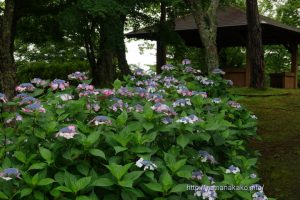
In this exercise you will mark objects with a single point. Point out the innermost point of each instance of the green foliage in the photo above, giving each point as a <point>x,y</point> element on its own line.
<point>67,152</point>
<point>53,70</point>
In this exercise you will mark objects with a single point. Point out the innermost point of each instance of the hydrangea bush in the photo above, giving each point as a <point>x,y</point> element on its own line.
<point>150,137</point>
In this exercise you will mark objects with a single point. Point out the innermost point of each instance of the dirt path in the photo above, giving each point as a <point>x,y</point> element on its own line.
<point>279,128</point>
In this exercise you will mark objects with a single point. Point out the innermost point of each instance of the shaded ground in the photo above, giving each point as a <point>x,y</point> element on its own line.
<point>279,128</point>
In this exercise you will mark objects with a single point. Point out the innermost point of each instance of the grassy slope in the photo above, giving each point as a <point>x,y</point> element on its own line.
<point>279,128</point>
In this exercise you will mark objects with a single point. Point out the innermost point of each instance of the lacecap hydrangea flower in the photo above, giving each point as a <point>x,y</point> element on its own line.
<point>259,196</point>
<point>28,100</point>
<point>147,164</point>
<point>206,192</point>
<point>182,103</point>
<point>218,71</point>
<point>35,107</point>
<point>10,173</point>
<point>21,96</point>
<point>85,86</point>
<point>186,62</point>
<point>207,157</point>
<point>68,132</point>
<point>39,82</point>
<point>202,94</point>
<point>3,98</point>
<point>99,120</point>
<point>59,84</point>
<point>25,87</point>
<point>167,120</point>
<point>189,119</point>
<point>66,97</point>
<point>163,108</point>
<point>232,170</point>
<point>216,100</point>
<point>88,93</point>
<point>197,175</point>
<point>167,67</point>
<point>93,106</point>
<point>184,91</point>
<point>234,104</point>
<point>80,76</point>
<point>139,72</point>
<point>107,92</point>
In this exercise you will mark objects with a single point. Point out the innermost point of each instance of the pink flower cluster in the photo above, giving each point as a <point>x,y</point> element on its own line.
<point>25,87</point>
<point>59,84</point>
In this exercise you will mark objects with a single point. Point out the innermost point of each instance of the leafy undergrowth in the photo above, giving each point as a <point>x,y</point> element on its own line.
<point>278,127</point>
<point>148,138</point>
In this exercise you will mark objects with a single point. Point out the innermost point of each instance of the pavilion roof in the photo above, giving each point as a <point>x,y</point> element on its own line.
<point>232,30</point>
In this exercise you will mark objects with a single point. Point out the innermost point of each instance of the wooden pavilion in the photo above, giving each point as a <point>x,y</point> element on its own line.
<point>232,32</point>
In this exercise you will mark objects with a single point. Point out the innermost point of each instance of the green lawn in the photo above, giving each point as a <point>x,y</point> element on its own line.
<point>279,129</point>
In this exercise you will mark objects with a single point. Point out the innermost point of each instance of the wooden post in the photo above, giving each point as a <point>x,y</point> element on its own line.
<point>293,49</point>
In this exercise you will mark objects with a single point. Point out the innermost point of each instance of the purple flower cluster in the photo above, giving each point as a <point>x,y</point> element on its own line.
<point>139,72</point>
<point>184,91</point>
<point>59,84</point>
<point>39,82</point>
<point>155,97</point>
<point>234,104</point>
<point>85,86</point>
<point>88,93</point>
<point>167,120</point>
<point>28,100</point>
<point>123,91</point>
<point>218,71</point>
<point>232,170</point>
<point>3,98</point>
<point>163,108</point>
<point>68,132</point>
<point>197,175</point>
<point>206,192</point>
<point>99,120</point>
<point>25,87</point>
<point>10,173</point>
<point>35,107</point>
<point>203,94</point>
<point>206,157</point>
<point>189,119</point>
<point>119,105</point>
<point>167,67</point>
<point>182,103</point>
<point>93,106</point>
<point>186,62</point>
<point>80,76</point>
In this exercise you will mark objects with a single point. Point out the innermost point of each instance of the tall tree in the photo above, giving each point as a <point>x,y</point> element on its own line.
<point>10,13</point>
<point>205,15</point>
<point>161,46</point>
<point>254,46</point>
<point>7,34</point>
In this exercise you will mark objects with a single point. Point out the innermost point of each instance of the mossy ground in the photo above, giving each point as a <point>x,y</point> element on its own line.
<point>279,129</point>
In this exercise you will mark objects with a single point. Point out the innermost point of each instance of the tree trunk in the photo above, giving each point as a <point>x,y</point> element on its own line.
<point>121,51</point>
<point>206,21</point>
<point>254,47</point>
<point>104,71</point>
<point>7,64</point>
<point>161,46</point>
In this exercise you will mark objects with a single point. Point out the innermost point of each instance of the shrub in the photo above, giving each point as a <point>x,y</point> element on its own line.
<point>151,137</point>
<point>52,70</point>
